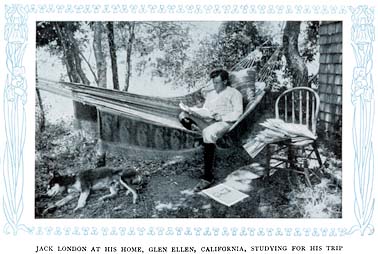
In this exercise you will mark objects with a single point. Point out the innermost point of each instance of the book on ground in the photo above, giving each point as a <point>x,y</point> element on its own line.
<point>225,195</point>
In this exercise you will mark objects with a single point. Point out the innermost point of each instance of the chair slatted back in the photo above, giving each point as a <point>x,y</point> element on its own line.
<point>299,105</point>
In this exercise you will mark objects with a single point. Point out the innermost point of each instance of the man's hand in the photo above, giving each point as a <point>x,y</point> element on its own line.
<point>184,107</point>
<point>191,112</point>
<point>217,117</point>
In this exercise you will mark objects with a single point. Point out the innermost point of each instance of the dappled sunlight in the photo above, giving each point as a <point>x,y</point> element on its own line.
<point>241,180</point>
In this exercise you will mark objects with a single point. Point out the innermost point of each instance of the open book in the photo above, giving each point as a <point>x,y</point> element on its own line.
<point>203,112</point>
<point>224,194</point>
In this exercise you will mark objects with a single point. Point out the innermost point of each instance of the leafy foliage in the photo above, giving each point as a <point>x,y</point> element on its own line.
<point>168,50</point>
<point>158,46</point>
<point>233,42</point>
<point>310,46</point>
<point>47,34</point>
<point>236,40</point>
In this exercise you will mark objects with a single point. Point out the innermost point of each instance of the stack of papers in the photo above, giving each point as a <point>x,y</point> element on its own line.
<point>277,130</point>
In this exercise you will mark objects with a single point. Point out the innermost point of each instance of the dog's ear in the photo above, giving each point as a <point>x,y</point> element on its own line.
<point>137,180</point>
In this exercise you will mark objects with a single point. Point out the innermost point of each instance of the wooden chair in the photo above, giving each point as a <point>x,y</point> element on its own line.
<point>300,107</point>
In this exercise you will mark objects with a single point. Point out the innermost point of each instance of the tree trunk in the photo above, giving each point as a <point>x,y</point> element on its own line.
<point>113,54</point>
<point>99,54</point>
<point>296,64</point>
<point>74,53</point>
<point>128,54</point>
<point>71,57</point>
<point>42,120</point>
<point>67,56</point>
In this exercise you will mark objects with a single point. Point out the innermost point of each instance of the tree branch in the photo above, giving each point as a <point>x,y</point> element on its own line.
<point>89,66</point>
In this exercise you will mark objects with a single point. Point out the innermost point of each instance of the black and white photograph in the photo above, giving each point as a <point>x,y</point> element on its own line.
<point>188,119</point>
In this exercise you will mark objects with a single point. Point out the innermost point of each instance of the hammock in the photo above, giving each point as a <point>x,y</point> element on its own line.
<point>159,111</point>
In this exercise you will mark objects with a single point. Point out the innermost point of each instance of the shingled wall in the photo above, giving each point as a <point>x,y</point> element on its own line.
<point>330,81</point>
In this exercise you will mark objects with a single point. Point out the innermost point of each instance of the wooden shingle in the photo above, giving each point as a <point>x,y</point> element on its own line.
<point>338,79</point>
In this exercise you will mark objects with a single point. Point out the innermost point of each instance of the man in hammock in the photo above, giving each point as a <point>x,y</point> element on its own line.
<point>223,106</point>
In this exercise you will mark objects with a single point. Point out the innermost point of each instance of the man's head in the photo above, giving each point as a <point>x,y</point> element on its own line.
<point>220,79</point>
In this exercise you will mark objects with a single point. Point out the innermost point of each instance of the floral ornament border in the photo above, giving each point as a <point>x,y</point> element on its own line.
<point>15,98</point>
<point>362,37</point>
<point>14,101</point>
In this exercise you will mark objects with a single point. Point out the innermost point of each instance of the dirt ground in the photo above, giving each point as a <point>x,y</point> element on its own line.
<point>167,190</point>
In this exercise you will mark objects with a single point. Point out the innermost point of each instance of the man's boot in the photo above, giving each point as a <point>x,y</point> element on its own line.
<point>208,177</point>
<point>208,156</point>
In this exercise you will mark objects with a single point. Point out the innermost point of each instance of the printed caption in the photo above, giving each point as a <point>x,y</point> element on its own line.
<point>49,249</point>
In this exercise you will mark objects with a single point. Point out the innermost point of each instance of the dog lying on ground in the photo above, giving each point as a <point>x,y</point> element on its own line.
<point>94,179</point>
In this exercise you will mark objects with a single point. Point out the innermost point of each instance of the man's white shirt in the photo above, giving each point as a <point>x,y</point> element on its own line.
<point>228,104</point>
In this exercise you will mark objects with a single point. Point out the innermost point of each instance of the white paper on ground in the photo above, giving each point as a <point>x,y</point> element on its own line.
<point>225,195</point>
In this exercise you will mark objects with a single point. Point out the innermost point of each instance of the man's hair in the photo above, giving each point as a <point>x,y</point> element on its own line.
<point>220,73</point>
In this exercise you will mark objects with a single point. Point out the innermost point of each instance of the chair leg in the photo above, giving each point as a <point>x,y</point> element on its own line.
<point>290,157</point>
<point>267,162</point>
<point>307,176</point>
<point>301,167</point>
<point>306,170</point>
<point>315,147</point>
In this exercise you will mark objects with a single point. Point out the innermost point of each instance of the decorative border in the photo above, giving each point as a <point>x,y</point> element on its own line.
<point>15,98</point>
<point>241,9</point>
<point>363,35</point>
<point>188,231</point>
<point>14,101</point>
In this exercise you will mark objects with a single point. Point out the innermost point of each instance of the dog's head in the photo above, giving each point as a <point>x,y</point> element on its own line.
<point>132,176</point>
<point>56,184</point>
